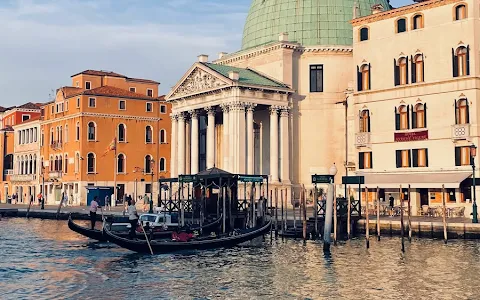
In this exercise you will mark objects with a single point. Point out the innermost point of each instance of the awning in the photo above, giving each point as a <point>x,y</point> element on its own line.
<point>416,180</point>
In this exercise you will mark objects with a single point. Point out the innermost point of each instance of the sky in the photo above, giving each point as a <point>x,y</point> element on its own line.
<point>44,42</point>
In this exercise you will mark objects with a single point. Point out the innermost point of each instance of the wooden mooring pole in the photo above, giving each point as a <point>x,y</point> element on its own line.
<point>409,217</point>
<point>286,210</point>
<point>349,213</point>
<point>282,225</point>
<point>276,213</point>
<point>444,214</point>
<point>271,215</point>
<point>315,209</point>
<point>402,229</point>
<point>378,213</point>
<point>367,228</point>
<point>294,216</point>
<point>335,219</point>
<point>304,213</point>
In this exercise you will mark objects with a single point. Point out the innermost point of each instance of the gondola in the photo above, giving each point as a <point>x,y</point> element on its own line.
<point>164,246</point>
<point>98,235</point>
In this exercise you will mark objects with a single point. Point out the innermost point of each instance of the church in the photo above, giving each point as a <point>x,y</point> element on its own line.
<point>314,85</point>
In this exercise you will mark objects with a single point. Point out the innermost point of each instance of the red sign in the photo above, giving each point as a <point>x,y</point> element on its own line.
<point>411,136</point>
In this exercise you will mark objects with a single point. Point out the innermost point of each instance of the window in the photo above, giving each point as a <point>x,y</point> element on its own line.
<point>403,159</point>
<point>132,89</point>
<point>121,133</point>
<point>66,105</point>
<point>35,133</point>
<point>92,102</point>
<point>316,78</point>
<point>122,105</point>
<point>364,34</point>
<point>401,25</point>
<point>42,138</point>
<point>121,163</point>
<point>420,158</point>
<point>77,132</point>
<point>78,102</point>
<point>51,163</point>
<point>66,133</point>
<point>163,136</point>
<point>365,160</point>
<point>60,134</point>
<point>91,163</point>
<point>461,61</point>
<point>91,131</point>
<point>462,114</point>
<point>462,156</point>
<point>365,121</point>
<point>460,12</point>
<point>417,68</point>
<point>402,120</point>
<point>148,188</point>
<point>148,135</point>
<point>66,163</point>
<point>148,162</point>
<point>162,165</point>
<point>417,22</point>
<point>149,92</point>
<point>163,109</point>
<point>149,107</point>
<point>52,109</point>
<point>52,139</point>
<point>77,84</point>
<point>88,85</point>
<point>419,116</point>
<point>25,118</point>
<point>363,77</point>
<point>401,72</point>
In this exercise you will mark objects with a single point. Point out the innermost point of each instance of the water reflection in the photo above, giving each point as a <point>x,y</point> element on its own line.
<point>46,260</point>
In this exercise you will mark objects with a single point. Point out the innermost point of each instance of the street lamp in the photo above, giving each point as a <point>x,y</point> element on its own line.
<point>473,153</point>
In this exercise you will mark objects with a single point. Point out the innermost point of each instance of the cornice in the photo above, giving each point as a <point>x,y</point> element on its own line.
<point>401,11</point>
<point>255,52</point>
<point>99,115</point>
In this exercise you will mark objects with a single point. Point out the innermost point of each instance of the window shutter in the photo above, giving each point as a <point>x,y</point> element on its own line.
<point>454,63</point>
<point>359,79</point>
<point>468,111</point>
<point>426,157</point>
<point>423,68</point>
<point>397,120</point>
<point>425,115</point>
<point>360,121</point>
<point>370,77</point>
<point>409,158</point>
<point>371,160</point>
<point>396,72</point>
<point>368,121</point>
<point>414,70</point>
<point>415,157</point>
<point>361,161</point>
<point>468,60</point>
<point>408,117</point>
<point>399,158</point>
<point>406,71</point>
<point>456,111</point>
<point>458,159</point>
<point>414,119</point>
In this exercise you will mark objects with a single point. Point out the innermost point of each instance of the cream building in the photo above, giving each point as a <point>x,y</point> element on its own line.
<point>26,178</point>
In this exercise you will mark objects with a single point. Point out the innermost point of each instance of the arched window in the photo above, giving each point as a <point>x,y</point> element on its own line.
<point>91,163</point>
<point>77,162</point>
<point>417,22</point>
<point>417,68</point>
<point>66,163</point>
<point>148,135</point>
<point>121,163</point>
<point>66,133</point>
<point>401,25</point>
<point>402,120</point>
<point>460,12</point>
<point>34,171</point>
<point>162,165</point>
<point>148,164</point>
<point>52,138</point>
<point>462,112</point>
<point>60,164</point>
<point>364,34</point>
<point>91,131</point>
<point>363,77</point>
<point>419,116</point>
<point>403,70</point>
<point>30,164</point>
<point>365,121</point>
<point>77,131</point>
<point>55,168</point>
<point>35,135</point>
<point>461,61</point>
<point>51,163</point>
<point>60,135</point>
<point>121,133</point>
<point>163,136</point>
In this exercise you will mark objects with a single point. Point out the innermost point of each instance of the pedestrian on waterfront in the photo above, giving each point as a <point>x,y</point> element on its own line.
<point>146,202</point>
<point>132,217</point>
<point>39,198</point>
<point>391,203</point>
<point>31,199</point>
<point>93,212</point>
<point>107,202</point>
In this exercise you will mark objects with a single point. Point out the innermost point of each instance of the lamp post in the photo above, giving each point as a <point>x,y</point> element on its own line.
<point>473,153</point>
<point>152,166</point>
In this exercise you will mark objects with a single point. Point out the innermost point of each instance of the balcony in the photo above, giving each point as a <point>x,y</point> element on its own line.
<point>23,177</point>
<point>8,172</point>
<point>55,174</point>
<point>56,145</point>
<point>460,131</point>
<point>362,139</point>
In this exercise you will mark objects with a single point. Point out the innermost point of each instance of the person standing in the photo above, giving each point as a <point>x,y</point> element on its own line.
<point>391,203</point>
<point>132,217</point>
<point>107,202</point>
<point>93,211</point>
<point>146,202</point>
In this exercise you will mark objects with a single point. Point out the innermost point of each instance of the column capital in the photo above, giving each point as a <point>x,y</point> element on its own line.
<point>193,113</point>
<point>225,107</point>
<point>250,107</point>
<point>284,111</point>
<point>174,116</point>
<point>181,116</point>
<point>274,109</point>
<point>237,106</point>
<point>210,110</point>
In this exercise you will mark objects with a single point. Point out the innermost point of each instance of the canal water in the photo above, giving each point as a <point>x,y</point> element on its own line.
<point>42,259</point>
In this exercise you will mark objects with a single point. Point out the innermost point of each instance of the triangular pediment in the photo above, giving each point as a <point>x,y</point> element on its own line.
<point>198,79</point>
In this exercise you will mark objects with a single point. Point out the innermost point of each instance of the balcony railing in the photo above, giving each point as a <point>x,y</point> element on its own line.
<point>56,145</point>
<point>55,174</point>
<point>8,172</point>
<point>460,131</point>
<point>362,139</point>
<point>23,177</point>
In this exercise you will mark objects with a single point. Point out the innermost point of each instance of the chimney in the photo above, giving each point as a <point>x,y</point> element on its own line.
<point>221,55</point>
<point>203,58</point>
<point>377,8</point>
<point>234,75</point>
<point>283,37</point>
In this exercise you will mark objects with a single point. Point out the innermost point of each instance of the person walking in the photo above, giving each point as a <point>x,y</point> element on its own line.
<point>132,217</point>
<point>93,211</point>
<point>146,202</point>
<point>107,202</point>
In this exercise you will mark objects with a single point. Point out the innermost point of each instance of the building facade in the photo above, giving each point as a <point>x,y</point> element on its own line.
<point>18,114</point>
<point>105,130</point>
<point>6,163</point>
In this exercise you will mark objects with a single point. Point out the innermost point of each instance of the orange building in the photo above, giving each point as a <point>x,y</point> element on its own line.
<point>18,114</point>
<point>86,120</point>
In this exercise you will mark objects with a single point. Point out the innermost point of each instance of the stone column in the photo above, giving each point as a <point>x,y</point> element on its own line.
<point>173,148</point>
<point>284,146</point>
<point>194,144</point>
<point>225,139</point>
<point>210,137</point>
<point>250,140</point>
<point>274,143</point>
<point>181,144</point>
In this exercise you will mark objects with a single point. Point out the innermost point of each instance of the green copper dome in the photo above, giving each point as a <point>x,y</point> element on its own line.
<point>308,22</point>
